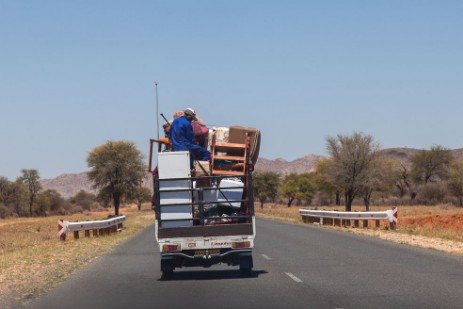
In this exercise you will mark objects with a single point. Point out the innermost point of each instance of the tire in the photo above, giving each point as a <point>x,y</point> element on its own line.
<point>167,275</point>
<point>246,265</point>
<point>246,271</point>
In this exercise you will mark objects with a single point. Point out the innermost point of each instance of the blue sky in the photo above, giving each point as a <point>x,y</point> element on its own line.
<point>75,74</point>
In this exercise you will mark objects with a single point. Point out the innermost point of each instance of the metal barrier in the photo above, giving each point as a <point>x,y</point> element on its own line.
<point>342,218</point>
<point>99,227</point>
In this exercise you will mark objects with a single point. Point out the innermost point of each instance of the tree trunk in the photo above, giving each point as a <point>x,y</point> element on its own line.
<point>349,197</point>
<point>31,201</point>
<point>401,191</point>
<point>338,198</point>
<point>139,206</point>
<point>261,204</point>
<point>290,200</point>
<point>366,200</point>
<point>117,202</point>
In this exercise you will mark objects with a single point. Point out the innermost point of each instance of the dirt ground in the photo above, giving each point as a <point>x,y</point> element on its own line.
<point>452,222</point>
<point>406,235</point>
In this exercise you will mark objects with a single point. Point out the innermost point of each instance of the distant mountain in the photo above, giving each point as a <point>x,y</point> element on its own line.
<point>70,184</point>
<point>281,166</point>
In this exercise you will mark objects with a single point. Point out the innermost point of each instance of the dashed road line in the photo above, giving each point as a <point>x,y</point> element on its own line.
<point>266,257</point>
<point>296,279</point>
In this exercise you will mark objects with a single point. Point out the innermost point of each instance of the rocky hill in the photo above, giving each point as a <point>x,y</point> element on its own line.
<point>281,166</point>
<point>70,184</point>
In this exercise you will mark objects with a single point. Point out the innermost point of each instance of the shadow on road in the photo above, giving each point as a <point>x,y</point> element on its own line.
<point>210,275</point>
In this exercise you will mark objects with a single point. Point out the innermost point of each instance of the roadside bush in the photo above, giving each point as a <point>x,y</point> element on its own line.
<point>5,212</point>
<point>432,194</point>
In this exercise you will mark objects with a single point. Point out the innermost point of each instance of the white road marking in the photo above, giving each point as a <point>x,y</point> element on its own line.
<point>266,257</point>
<point>294,277</point>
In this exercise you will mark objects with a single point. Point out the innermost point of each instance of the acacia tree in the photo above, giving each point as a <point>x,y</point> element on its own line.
<point>116,168</point>
<point>298,186</point>
<point>352,158</point>
<point>289,187</point>
<point>265,186</point>
<point>380,178</point>
<point>140,195</point>
<point>31,178</point>
<point>402,179</point>
<point>323,182</point>
<point>431,165</point>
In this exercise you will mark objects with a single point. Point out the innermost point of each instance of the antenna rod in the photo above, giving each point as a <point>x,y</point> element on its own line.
<point>157,110</point>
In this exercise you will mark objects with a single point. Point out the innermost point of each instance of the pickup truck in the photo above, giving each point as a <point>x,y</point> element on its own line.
<point>205,215</point>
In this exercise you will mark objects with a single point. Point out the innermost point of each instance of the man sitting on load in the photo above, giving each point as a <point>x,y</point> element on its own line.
<point>182,136</point>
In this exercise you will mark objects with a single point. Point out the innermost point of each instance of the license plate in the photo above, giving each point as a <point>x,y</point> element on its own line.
<point>204,252</point>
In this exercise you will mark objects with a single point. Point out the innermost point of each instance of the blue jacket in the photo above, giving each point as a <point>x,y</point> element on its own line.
<point>181,134</point>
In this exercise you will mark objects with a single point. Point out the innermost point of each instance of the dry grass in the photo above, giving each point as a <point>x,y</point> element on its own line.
<point>33,260</point>
<point>437,227</point>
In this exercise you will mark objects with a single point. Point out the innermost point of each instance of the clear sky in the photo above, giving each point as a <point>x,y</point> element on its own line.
<point>75,74</point>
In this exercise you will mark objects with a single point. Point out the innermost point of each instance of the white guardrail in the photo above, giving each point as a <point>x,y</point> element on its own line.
<point>99,227</point>
<point>390,215</point>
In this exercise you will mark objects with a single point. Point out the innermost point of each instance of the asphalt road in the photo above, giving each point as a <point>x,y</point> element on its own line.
<point>295,266</point>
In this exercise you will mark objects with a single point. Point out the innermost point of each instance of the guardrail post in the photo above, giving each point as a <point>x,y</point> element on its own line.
<point>76,234</point>
<point>356,223</point>
<point>392,225</point>
<point>87,233</point>
<point>365,223</point>
<point>95,233</point>
<point>377,224</point>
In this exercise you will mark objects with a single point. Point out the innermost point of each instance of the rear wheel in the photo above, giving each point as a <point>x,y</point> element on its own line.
<point>167,268</point>
<point>245,271</point>
<point>166,275</point>
<point>246,265</point>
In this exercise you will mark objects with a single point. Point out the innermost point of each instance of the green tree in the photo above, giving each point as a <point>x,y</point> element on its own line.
<point>31,178</point>
<point>299,187</point>
<point>117,168</point>
<point>82,195</point>
<point>84,199</point>
<point>352,157</point>
<point>49,201</point>
<point>265,186</point>
<point>140,195</point>
<point>455,180</point>
<point>4,189</point>
<point>290,187</point>
<point>323,182</point>
<point>380,178</point>
<point>431,165</point>
<point>19,198</point>
<point>104,197</point>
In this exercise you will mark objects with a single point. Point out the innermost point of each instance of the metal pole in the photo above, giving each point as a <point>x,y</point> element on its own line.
<point>157,109</point>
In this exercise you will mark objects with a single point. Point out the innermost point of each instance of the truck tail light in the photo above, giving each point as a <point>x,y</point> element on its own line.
<point>168,248</point>
<point>241,244</point>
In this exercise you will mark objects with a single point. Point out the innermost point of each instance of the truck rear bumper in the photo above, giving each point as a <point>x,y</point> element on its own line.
<point>180,259</point>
